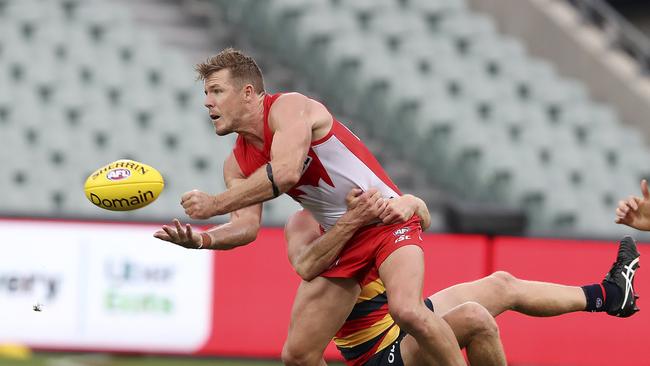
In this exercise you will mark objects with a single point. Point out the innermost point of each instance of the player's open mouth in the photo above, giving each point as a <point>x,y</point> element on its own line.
<point>214,117</point>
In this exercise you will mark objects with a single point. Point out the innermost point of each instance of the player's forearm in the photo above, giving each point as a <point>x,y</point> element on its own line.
<point>230,235</point>
<point>253,190</point>
<point>323,251</point>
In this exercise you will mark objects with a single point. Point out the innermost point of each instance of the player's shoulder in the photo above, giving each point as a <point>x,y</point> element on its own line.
<point>297,104</point>
<point>288,100</point>
<point>294,100</point>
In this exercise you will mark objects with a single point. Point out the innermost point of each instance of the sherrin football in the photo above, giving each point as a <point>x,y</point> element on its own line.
<point>124,185</point>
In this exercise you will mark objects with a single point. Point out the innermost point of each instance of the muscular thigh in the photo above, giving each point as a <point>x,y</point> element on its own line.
<point>319,310</point>
<point>402,273</point>
<point>484,291</point>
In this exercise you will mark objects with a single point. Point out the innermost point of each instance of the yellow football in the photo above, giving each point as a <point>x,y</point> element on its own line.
<point>124,185</point>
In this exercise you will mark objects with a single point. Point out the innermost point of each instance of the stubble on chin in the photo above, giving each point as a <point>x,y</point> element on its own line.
<point>222,132</point>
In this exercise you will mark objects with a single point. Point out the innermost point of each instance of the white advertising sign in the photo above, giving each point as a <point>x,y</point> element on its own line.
<point>101,286</point>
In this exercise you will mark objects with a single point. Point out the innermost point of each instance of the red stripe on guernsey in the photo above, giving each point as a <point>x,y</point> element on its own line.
<point>356,147</point>
<point>248,156</point>
<point>359,361</point>
<point>356,325</point>
<point>604,293</point>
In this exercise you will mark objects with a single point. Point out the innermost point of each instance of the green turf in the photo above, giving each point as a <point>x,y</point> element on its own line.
<point>104,360</point>
<point>96,360</point>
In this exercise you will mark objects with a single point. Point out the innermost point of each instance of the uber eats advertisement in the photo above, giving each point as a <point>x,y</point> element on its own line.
<point>101,286</point>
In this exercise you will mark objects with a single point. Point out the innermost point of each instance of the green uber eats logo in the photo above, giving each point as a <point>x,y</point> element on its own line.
<point>138,303</point>
<point>127,277</point>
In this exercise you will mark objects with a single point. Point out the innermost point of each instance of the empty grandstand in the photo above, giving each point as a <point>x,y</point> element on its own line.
<point>434,83</point>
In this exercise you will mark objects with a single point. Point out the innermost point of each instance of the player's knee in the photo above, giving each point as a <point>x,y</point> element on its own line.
<point>505,283</point>
<point>294,356</point>
<point>407,317</point>
<point>480,319</point>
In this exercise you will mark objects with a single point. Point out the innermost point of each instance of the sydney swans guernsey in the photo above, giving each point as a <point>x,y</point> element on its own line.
<point>335,164</point>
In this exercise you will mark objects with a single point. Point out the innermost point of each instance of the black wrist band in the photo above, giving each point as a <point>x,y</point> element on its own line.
<point>269,173</point>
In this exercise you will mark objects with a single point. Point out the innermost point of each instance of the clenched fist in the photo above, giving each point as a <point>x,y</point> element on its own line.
<point>199,205</point>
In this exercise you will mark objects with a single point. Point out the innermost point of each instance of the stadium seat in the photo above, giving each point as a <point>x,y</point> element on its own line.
<point>488,120</point>
<point>393,27</point>
<point>312,35</point>
<point>436,8</point>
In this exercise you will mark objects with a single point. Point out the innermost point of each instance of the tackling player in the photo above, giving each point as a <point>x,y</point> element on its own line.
<point>371,338</point>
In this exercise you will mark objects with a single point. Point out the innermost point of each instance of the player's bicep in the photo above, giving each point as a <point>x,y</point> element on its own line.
<point>291,122</point>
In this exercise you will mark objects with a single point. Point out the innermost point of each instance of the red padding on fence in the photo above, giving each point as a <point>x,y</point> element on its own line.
<point>573,339</point>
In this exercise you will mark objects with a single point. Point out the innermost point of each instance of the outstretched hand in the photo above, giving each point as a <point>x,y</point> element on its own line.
<point>635,211</point>
<point>179,235</point>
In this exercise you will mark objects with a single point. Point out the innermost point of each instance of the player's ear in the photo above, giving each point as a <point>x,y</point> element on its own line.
<point>249,91</point>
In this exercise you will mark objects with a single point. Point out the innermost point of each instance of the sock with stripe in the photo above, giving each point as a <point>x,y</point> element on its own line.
<point>600,296</point>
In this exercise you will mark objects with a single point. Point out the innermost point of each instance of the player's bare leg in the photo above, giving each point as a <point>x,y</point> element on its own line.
<point>502,291</point>
<point>403,273</point>
<point>319,310</point>
<point>475,329</point>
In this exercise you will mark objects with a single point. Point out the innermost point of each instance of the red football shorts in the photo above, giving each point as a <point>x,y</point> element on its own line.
<point>370,246</point>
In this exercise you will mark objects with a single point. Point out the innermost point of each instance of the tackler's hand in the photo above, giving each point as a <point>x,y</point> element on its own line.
<point>365,206</point>
<point>397,210</point>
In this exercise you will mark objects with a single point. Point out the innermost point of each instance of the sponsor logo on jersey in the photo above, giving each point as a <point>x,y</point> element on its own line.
<point>401,231</point>
<point>402,238</point>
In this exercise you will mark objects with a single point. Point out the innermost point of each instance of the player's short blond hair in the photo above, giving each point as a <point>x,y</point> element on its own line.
<point>243,69</point>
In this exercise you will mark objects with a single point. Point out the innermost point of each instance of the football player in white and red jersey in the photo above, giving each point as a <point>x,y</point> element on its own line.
<point>289,143</point>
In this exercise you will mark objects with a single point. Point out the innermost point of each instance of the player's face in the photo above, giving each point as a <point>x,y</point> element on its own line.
<point>224,101</point>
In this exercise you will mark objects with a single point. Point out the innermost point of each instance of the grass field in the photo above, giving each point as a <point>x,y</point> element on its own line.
<point>105,360</point>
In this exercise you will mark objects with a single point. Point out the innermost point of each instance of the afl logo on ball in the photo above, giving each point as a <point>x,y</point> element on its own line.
<point>118,174</point>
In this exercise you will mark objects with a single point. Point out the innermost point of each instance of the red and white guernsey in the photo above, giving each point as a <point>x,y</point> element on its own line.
<point>334,165</point>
